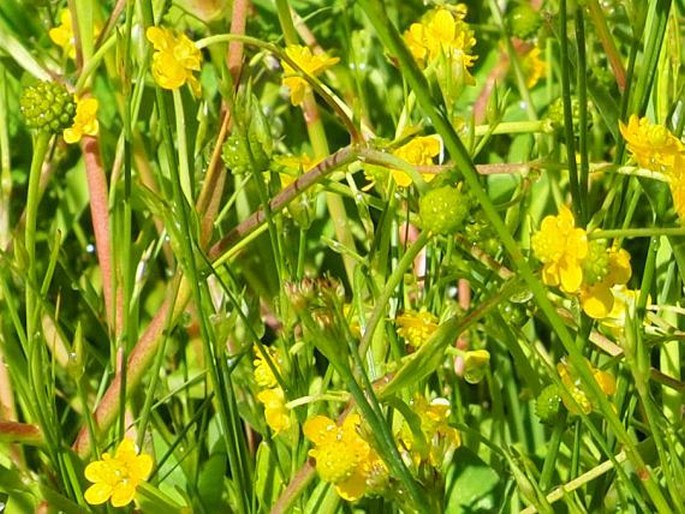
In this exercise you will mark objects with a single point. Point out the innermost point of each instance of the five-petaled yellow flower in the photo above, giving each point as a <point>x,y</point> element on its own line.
<point>343,457</point>
<point>653,146</point>
<point>311,64</point>
<point>175,59</point>
<point>420,151</point>
<point>117,477</point>
<point>443,34</point>
<point>561,247</point>
<point>416,327</point>
<point>85,121</point>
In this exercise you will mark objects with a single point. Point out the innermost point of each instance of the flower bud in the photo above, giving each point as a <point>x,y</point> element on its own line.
<point>476,365</point>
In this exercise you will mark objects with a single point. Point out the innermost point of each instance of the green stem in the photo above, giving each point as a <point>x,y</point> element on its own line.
<point>628,233</point>
<point>40,150</point>
<point>581,68</point>
<point>552,454</point>
<point>568,110</point>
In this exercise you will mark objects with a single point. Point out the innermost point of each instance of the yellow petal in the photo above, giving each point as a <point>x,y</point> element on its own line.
<point>597,300</point>
<point>123,494</point>
<point>319,429</point>
<point>570,276</point>
<point>353,487</point>
<point>98,493</point>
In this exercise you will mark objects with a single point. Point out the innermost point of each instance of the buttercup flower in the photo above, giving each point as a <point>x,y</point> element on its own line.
<point>294,167</point>
<point>443,33</point>
<point>313,65</point>
<point>175,59</point>
<point>440,437</point>
<point>117,477</point>
<point>85,121</point>
<point>63,34</point>
<point>276,413</point>
<point>561,247</point>
<point>343,457</point>
<point>263,374</point>
<point>570,379</point>
<point>420,151</point>
<point>653,146</point>
<point>416,327</point>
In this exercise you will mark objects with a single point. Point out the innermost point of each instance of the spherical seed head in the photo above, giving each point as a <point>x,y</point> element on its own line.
<point>596,263</point>
<point>548,404</point>
<point>47,106</point>
<point>443,210</point>
<point>524,21</point>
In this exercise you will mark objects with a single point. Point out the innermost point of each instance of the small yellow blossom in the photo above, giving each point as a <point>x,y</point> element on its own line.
<point>534,68</point>
<point>443,33</point>
<point>275,411</point>
<point>440,437</point>
<point>263,374</point>
<point>570,379</point>
<point>85,121</point>
<point>309,63</point>
<point>597,299</point>
<point>420,151</point>
<point>117,477</point>
<point>476,365</point>
<point>175,59</point>
<point>416,327</point>
<point>343,457</point>
<point>63,34</point>
<point>561,247</point>
<point>653,146</point>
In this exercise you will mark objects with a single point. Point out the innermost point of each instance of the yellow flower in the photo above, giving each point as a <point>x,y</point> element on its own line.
<point>63,34</point>
<point>175,59</point>
<point>570,379</point>
<point>653,146</point>
<point>476,365</point>
<point>561,248</point>
<point>313,65</point>
<point>534,68</point>
<point>420,151</point>
<point>443,33</point>
<point>275,411</point>
<point>416,327</point>
<point>117,477</point>
<point>440,437</point>
<point>85,121</point>
<point>597,299</point>
<point>343,457</point>
<point>263,374</point>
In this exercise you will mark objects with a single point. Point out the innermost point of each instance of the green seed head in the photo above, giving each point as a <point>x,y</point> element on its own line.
<point>47,107</point>
<point>596,263</point>
<point>524,21</point>
<point>548,404</point>
<point>443,210</point>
